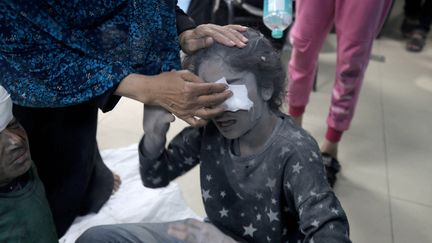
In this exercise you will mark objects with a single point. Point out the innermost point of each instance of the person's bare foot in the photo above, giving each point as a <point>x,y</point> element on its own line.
<point>117,183</point>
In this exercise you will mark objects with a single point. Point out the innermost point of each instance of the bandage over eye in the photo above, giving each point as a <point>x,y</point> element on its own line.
<point>239,100</point>
<point>5,108</point>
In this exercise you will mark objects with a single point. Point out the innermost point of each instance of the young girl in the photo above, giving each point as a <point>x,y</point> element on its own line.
<point>262,177</point>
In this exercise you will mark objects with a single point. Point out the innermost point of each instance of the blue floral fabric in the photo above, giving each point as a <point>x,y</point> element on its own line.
<point>59,53</point>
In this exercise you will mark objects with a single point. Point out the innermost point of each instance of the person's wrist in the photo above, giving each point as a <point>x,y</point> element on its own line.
<point>154,144</point>
<point>137,87</point>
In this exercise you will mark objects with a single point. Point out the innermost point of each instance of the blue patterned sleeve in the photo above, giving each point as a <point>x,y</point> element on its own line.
<point>60,77</point>
<point>61,53</point>
<point>40,71</point>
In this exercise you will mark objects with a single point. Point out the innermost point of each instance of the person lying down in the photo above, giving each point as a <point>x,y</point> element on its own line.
<point>262,177</point>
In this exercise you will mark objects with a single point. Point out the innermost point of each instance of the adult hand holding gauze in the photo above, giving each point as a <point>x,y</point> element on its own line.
<point>239,100</point>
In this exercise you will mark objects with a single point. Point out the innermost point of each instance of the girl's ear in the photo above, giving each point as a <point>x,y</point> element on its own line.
<point>266,93</point>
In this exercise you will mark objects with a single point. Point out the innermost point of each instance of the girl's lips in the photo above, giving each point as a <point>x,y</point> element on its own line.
<point>226,123</point>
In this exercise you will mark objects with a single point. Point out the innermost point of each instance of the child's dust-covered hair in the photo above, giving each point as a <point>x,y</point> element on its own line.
<point>258,57</point>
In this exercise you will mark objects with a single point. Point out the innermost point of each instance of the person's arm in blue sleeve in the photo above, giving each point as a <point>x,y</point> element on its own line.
<point>45,66</point>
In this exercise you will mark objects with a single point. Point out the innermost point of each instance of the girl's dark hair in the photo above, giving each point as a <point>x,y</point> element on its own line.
<point>258,57</point>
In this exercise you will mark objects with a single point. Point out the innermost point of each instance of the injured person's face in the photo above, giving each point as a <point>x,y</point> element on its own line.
<point>238,119</point>
<point>14,149</point>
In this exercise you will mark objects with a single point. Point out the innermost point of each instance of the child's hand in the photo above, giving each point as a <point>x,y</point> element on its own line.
<point>194,231</point>
<point>156,124</point>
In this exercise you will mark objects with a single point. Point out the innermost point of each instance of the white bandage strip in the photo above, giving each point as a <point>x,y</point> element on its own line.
<point>5,108</point>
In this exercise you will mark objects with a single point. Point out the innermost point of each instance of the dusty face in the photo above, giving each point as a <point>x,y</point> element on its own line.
<point>233,125</point>
<point>14,152</point>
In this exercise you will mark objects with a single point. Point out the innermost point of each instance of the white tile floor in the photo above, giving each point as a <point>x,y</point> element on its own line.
<point>386,182</point>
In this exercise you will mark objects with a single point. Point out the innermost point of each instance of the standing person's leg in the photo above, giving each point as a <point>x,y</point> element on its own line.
<point>357,24</point>
<point>412,10</point>
<point>425,18</point>
<point>130,233</point>
<point>312,23</point>
<point>421,29</point>
<point>63,147</point>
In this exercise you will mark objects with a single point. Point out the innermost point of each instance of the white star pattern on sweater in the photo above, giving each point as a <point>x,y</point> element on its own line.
<point>297,167</point>
<point>157,180</point>
<point>297,135</point>
<point>206,194</point>
<point>249,230</point>
<point>189,161</point>
<point>300,198</point>
<point>156,165</point>
<point>271,183</point>
<point>283,151</point>
<point>223,213</point>
<point>273,216</point>
<point>335,211</point>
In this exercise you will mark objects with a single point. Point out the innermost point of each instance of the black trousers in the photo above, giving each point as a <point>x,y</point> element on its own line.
<point>421,10</point>
<point>63,146</point>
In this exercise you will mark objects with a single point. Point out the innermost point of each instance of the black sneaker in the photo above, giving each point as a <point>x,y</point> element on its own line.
<point>417,41</point>
<point>332,167</point>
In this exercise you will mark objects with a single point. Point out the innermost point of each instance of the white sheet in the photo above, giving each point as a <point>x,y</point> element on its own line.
<point>133,202</point>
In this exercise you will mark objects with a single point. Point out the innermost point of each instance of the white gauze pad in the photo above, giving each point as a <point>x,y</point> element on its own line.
<point>239,100</point>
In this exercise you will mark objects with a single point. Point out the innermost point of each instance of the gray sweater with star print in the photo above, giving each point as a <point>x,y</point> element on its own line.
<point>279,194</point>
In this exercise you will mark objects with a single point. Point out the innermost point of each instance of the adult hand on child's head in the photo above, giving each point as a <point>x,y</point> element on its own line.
<point>204,35</point>
<point>194,231</point>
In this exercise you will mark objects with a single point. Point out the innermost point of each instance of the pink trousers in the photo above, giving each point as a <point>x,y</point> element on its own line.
<point>357,23</point>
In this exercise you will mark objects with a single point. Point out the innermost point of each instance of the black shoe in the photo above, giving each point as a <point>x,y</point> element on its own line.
<point>332,167</point>
<point>417,41</point>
